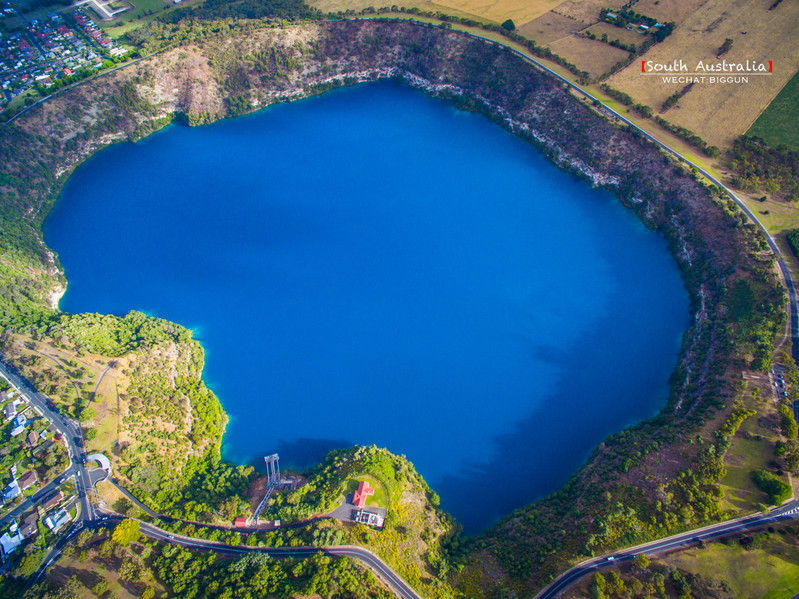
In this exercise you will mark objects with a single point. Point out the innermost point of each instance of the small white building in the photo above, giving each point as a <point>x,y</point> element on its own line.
<point>370,518</point>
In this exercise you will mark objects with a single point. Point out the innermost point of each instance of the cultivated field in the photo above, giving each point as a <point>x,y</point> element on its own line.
<point>590,55</point>
<point>586,11</point>
<point>550,27</point>
<point>497,11</point>
<point>664,11</point>
<point>426,5</point>
<point>520,11</point>
<point>720,112</point>
<point>779,124</point>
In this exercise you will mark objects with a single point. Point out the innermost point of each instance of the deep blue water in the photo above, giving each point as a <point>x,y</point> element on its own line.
<point>373,266</point>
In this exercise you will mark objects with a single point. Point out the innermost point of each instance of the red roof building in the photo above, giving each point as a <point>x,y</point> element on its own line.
<point>362,494</point>
<point>27,479</point>
<point>240,522</point>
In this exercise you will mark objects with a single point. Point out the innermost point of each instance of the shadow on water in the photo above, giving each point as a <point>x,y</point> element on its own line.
<point>299,454</point>
<point>532,461</point>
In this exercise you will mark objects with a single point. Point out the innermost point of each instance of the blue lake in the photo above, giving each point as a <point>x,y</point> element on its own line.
<point>373,266</point>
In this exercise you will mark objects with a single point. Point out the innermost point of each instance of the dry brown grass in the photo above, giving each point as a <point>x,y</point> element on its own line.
<point>720,113</point>
<point>668,10</point>
<point>495,11</point>
<point>520,11</point>
<point>550,27</point>
<point>586,11</point>
<point>590,55</point>
<point>108,493</point>
<point>426,5</point>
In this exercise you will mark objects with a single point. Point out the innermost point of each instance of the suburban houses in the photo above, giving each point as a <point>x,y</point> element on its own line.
<point>27,463</point>
<point>50,49</point>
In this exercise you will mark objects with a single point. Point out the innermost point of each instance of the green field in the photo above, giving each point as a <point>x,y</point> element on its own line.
<point>768,572</point>
<point>752,448</point>
<point>778,123</point>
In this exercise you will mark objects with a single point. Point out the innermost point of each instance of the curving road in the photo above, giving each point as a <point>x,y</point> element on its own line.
<point>88,518</point>
<point>786,512</point>
<point>369,559</point>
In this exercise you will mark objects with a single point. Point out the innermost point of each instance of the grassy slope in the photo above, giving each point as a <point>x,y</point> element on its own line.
<point>752,448</point>
<point>769,572</point>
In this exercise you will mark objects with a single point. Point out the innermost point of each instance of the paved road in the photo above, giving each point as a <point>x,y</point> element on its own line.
<point>787,512</point>
<point>72,435</point>
<point>88,518</point>
<point>374,563</point>
<point>369,559</point>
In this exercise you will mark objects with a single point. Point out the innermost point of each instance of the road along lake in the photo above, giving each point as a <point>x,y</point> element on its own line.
<point>373,266</point>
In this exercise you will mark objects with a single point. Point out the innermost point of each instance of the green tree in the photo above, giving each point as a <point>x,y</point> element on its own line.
<point>101,587</point>
<point>29,564</point>
<point>788,423</point>
<point>641,561</point>
<point>126,532</point>
<point>777,490</point>
<point>725,47</point>
<point>509,25</point>
<point>615,585</point>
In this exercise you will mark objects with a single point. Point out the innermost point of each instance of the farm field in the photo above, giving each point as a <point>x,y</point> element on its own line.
<point>586,11</point>
<point>720,112</point>
<point>520,11</point>
<point>549,28</point>
<point>676,11</point>
<point>590,55</point>
<point>778,124</point>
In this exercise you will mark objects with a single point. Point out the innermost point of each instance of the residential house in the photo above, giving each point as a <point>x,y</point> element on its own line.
<point>28,530</point>
<point>10,411</point>
<point>56,520</point>
<point>9,542</point>
<point>53,501</point>
<point>28,479</point>
<point>362,494</point>
<point>19,425</point>
<point>11,491</point>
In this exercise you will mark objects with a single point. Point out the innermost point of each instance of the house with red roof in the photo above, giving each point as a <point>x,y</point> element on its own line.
<point>361,494</point>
